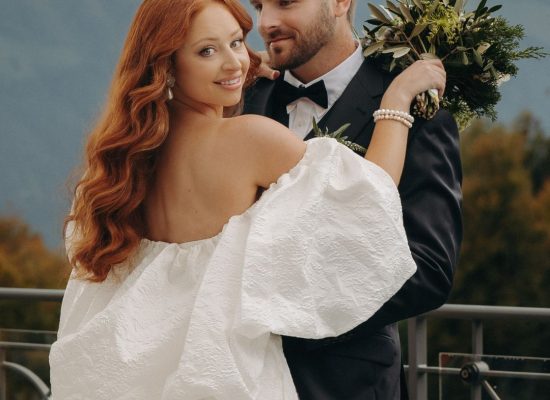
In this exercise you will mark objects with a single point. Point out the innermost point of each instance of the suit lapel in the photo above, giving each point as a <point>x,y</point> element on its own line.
<point>356,104</point>
<point>259,98</point>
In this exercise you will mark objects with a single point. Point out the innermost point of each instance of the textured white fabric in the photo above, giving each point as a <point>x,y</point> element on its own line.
<point>320,251</point>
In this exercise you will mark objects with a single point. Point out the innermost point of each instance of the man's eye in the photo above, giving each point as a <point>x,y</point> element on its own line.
<point>257,6</point>
<point>207,52</point>
<point>236,43</point>
<point>285,3</point>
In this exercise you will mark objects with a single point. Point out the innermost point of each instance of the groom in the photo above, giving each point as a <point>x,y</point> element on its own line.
<point>324,76</point>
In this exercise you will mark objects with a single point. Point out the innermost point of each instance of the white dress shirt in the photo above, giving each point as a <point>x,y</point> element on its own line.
<point>301,111</point>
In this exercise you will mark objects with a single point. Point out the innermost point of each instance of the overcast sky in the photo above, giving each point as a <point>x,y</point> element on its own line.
<point>56,60</point>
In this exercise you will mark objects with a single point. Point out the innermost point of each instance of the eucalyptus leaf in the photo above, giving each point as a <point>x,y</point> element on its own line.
<point>477,58</point>
<point>465,59</point>
<point>459,5</point>
<point>494,73</point>
<point>393,8</point>
<point>418,3</point>
<point>480,7</point>
<point>394,49</point>
<point>483,48</point>
<point>418,29</point>
<point>406,12</point>
<point>401,52</point>
<point>373,48</point>
<point>381,16</point>
<point>493,9</point>
<point>374,21</point>
<point>338,132</point>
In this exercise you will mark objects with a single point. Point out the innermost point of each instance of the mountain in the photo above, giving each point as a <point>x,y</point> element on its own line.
<point>56,61</point>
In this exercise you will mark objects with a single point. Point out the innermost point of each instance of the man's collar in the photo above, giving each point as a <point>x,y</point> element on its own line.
<point>337,79</point>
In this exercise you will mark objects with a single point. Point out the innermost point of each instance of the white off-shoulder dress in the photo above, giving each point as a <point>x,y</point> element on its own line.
<point>321,250</point>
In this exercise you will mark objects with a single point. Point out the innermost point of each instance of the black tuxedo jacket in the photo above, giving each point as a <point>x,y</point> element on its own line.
<point>365,362</point>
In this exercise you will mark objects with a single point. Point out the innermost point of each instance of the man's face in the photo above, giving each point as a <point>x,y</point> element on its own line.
<point>294,30</point>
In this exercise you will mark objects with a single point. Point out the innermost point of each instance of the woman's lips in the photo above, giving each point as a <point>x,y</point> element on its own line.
<point>230,83</point>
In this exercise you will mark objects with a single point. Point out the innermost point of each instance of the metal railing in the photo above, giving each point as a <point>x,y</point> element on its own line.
<point>33,379</point>
<point>475,372</point>
<point>418,368</point>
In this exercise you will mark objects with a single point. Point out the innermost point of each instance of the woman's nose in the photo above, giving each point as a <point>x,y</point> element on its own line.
<point>232,61</point>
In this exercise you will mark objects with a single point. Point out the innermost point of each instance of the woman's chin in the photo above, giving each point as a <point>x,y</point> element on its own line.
<point>233,101</point>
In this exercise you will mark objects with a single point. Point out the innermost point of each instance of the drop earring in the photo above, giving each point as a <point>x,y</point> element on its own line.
<point>170,82</point>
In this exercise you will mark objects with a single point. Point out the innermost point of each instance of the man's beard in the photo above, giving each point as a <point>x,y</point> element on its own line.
<point>312,40</point>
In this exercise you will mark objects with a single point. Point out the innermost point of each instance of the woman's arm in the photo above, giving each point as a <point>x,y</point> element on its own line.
<point>389,141</point>
<point>273,149</point>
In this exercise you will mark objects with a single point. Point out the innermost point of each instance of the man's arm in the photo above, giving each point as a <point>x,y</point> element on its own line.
<point>431,196</point>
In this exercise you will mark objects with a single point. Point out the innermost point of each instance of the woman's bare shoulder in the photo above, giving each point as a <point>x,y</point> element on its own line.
<point>271,148</point>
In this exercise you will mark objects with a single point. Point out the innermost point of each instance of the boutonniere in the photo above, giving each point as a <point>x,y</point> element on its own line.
<point>338,135</point>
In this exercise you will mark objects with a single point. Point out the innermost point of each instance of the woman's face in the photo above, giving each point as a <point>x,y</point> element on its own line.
<point>211,66</point>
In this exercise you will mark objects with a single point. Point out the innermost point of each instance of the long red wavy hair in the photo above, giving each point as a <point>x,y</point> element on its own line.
<point>106,222</point>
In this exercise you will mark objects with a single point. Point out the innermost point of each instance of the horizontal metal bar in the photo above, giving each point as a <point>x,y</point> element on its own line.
<point>25,346</point>
<point>29,331</point>
<point>31,294</point>
<point>517,374</point>
<point>438,370</point>
<point>470,312</point>
<point>491,373</point>
<point>456,311</point>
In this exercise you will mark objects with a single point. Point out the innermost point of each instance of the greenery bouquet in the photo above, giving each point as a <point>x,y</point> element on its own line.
<point>478,50</point>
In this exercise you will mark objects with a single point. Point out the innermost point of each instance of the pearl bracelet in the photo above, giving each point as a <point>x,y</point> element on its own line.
<point>404,117</point>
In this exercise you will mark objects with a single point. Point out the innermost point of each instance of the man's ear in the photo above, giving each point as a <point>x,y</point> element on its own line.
<point>341,7</point>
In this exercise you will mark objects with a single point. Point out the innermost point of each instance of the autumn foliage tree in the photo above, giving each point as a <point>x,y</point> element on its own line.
<point>26,263</point>
<point>505,257</point>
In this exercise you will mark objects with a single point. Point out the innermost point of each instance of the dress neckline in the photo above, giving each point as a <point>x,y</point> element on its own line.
<point>236,217</point>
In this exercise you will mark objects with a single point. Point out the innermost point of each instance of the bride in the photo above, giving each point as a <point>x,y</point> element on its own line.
<point>197,240</point>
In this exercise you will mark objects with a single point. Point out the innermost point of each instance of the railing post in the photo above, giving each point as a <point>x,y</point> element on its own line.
<point>3,390</point>
<point>477,351</point>
<point>418,341</point>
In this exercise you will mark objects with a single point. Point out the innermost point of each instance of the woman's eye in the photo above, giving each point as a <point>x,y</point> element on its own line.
<point>236,43</point>
<point>207,52</point>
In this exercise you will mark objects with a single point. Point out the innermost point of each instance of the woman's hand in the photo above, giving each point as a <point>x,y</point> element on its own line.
<point>420,76</point>
<point>265,70</point>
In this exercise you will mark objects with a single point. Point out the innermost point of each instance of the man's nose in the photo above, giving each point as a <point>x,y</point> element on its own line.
<point>268,20</point>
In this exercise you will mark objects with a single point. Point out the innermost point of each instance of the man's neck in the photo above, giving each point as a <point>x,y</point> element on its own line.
<point>328,58</point>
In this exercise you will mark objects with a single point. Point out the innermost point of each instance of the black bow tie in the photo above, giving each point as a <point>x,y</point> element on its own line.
<point>317,92</point>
